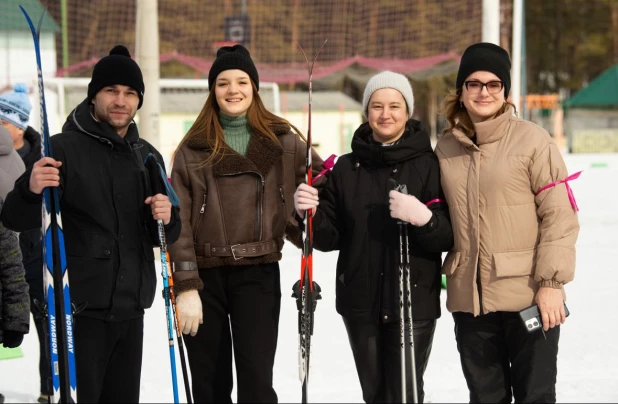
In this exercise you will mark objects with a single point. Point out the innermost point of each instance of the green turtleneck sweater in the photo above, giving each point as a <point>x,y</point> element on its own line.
<point>236,132</point>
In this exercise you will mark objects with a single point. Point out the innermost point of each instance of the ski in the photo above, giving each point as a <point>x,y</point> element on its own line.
<point>55,274</point>
<point>160,185</point>
<point>306,291</point>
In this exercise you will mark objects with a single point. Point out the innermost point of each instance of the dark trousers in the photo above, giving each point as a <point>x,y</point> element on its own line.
<point>108,358</point>
<point>246,299</point>
<point>34,277</point>
<point>377,354</point>
<point>501,359</point>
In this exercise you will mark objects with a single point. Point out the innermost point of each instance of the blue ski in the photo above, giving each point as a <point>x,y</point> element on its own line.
<point>55,274</point>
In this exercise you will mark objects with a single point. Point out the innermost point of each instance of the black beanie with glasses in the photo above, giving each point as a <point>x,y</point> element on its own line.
<point>485,56</point>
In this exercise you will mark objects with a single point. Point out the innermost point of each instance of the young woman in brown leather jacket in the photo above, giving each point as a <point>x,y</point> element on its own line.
<point>235,173</point>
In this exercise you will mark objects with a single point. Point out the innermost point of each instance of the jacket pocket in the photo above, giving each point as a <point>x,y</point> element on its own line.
<point>514,263</point>
<point>451,262</point>
<point>90,268</point>
<point>200,217</point>
<point>282,213</point>
<point>148,281</point>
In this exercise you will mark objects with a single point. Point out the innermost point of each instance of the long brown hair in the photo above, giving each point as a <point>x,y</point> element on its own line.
<point>456,114</point>
<point>259,119</point>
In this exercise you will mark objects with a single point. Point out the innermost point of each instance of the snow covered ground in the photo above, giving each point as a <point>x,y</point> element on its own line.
<point>588,358</point>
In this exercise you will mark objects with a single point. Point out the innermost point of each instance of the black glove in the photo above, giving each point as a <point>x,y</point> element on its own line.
<point>12,339</point>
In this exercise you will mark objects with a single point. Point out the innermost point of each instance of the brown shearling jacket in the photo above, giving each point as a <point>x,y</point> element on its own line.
<point>237,210</point>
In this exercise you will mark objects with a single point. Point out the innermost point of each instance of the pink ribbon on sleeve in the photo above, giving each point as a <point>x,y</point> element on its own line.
<point>438,200</point>
<point>568,188</point>
<point>328,165</point>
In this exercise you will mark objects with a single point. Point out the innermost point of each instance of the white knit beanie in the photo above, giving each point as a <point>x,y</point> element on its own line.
<point>388,79</point>
<point>15,107</point>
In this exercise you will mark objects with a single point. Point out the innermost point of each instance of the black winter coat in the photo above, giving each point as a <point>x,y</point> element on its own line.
<point>14,302</point>
<point>354,217</point>
<point>30,241</point>
<point>109,231</point>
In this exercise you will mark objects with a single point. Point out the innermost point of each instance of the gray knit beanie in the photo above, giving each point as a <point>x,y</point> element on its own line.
<point>388,79</point>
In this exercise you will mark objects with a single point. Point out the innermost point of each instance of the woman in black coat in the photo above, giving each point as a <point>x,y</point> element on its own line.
<point>358,214</point>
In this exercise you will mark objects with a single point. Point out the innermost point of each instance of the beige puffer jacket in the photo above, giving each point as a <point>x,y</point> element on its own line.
<point>508,241</point>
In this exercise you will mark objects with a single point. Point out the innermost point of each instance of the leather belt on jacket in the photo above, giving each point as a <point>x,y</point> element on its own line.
<point>238,251</point>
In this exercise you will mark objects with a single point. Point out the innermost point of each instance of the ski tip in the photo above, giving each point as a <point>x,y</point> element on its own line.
<point>35,31</point>
<point>318,52</point>
<point>303,51</point>
<point>38,28</point>
<point>25,13</point>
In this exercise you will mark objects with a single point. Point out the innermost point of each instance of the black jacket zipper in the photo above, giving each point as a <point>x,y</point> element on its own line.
<point>260,203</point>
<point>199,219</point>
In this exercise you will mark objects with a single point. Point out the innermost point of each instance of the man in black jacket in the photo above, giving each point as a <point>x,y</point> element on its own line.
<point>109,222</point>
<point>14,114</point>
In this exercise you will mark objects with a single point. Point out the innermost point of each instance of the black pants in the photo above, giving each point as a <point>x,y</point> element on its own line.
<point>34,277</point>
<point>377,354</point>
<point>247,299</point>
<point>500,359</point>
<point>108,358</point>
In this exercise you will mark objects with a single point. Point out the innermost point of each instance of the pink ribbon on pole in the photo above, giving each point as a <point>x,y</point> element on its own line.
<point>328,165</point>
<point>568,188</point>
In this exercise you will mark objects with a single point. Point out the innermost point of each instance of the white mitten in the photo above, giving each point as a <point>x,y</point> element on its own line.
<point>305,198</point>
<point>408,208</point>
<point>189,309</point>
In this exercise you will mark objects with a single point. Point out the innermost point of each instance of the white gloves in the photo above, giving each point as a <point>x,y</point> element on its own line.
<point>408,208</point>
<point>305,198</point>
<point>189,308</point>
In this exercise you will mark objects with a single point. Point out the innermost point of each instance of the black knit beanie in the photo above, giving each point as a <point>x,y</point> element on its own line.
<point>487,57</point>
<point>117,68</point>
<point>233,57</point>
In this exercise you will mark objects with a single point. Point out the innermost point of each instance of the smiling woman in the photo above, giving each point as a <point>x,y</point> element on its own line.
<point>234,92</point>
<point>235,173</point>
<point>359,214</point>
<point>482,96</point>
<point>514,234</point>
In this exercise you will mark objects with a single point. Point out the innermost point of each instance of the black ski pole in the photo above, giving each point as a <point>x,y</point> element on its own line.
<point>405,303</point>
<point>181,349</point>
<point>160,185</point>
<point>412,356</point>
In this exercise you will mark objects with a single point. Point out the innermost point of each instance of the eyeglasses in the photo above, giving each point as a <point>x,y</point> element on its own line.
<point>475,87</point>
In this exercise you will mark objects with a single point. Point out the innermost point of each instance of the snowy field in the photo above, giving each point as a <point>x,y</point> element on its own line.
<point>587,362</point>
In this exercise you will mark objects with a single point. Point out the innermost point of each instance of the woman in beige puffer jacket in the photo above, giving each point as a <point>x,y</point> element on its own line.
<point>514,234</point>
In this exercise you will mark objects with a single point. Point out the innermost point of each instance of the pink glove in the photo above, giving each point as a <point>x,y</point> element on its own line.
<point>409,209</point>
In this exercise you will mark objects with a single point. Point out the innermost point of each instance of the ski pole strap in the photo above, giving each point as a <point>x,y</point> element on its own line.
<point>328,165</point>
<point>568,188</point>
<point>158,178</point>
<point>437,200</point>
